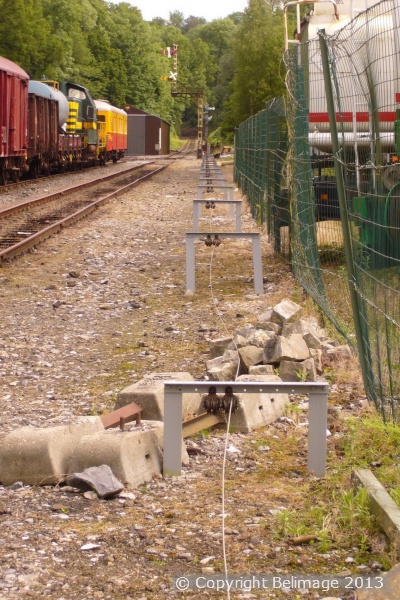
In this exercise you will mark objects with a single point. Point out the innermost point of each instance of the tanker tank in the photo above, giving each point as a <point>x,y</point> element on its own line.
<point>49,91</point>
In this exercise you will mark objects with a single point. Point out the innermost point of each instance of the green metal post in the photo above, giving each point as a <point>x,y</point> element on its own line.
<point>344,213</point>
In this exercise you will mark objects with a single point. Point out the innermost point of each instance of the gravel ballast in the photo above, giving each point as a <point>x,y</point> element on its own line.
<point>86,314</point>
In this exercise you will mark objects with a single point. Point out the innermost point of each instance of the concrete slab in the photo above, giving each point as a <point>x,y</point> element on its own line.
<point>149,394</point>
<point>381,505</point>
<point>256,410</point>
<point>386,588</point>
<point>41,456</point>
<point>134,456</point>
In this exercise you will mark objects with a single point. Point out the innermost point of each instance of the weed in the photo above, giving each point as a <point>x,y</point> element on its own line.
<point>395,495</point>
<point>332,254</point>
<point>324,541</point>
<point>329,374</point>
<point>301,375</point>
<point>204,434</point>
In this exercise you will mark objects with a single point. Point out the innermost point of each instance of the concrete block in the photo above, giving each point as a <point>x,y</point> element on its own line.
<point>256,410</point>
<point>381,505</point>
<point>41,456</point>
<point>134,456</point>
<point>389,590</point>
<point>149,394</point>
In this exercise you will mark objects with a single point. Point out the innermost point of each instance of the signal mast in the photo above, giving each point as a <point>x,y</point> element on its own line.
<point>172,53</point>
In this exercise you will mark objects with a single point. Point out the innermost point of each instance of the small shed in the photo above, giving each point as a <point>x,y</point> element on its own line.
<point>147,134</point>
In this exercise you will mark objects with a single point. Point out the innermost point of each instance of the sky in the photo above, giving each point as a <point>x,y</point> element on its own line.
<point>209,9</point>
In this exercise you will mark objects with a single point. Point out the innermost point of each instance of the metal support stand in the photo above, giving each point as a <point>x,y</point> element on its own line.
<point>227,189</point>
<point>318,411</point>
<point>237,204</point>
<point>257,262</point>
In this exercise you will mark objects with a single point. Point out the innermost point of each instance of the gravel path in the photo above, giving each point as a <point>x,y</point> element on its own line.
<point>91,311</point>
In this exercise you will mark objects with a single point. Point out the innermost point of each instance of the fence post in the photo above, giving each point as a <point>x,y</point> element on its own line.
<point>344,215</point>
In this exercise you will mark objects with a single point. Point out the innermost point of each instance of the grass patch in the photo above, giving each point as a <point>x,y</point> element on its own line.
<point>331,508</point>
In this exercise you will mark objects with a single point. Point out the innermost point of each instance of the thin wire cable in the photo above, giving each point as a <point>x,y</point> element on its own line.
<point>223,500</point>
<point>226,435</point>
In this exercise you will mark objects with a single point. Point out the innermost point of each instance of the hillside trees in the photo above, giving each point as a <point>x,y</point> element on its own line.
<point>257,52</point>
<point>26,36</point>
<point>109,48</point>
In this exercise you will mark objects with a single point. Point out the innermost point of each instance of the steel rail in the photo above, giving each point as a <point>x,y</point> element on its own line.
<point>36,238</point>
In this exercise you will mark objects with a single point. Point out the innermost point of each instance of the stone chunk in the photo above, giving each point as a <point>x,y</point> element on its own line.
<point>101,479</point>
<point>269,327</point>
<point>250,356</point>
<point>312,340</point>
<point>149,394</point>
<point>285,312</point>
<point>317,356</point>
<point>261,370</point>
<point>219,345</point>
<point>340,353</point>
<point>304,370</point>
<point>302,326</point>
<point>223,368</point>
<point>282,348</point>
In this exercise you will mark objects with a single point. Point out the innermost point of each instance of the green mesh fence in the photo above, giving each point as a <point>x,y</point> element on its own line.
<point>344,204</point>
<point>261,145</point>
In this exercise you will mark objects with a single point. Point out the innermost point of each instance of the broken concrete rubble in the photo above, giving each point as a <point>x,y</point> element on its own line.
<point>285,312</point>
<point>293,345</point>
<point>100,479</point>
<point>280,348</point>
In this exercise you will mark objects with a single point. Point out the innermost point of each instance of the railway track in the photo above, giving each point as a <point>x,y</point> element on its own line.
<point>25,225</point>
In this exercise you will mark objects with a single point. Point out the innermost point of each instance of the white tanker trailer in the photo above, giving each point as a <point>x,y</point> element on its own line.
<point>367,69</point>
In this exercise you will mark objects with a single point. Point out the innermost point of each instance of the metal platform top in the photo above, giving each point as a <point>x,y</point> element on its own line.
<point>249,387</point>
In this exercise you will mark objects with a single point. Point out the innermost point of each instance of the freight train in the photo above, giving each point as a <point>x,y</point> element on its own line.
<point>47,128</point>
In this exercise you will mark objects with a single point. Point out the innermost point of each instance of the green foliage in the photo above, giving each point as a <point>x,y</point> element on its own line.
<point>257,49</point>
<point>371,441</point>
<point>336,512</point>
<point>109,48</point>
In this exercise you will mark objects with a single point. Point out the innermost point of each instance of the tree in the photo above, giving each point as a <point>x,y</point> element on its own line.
<point>191,22</point>
<point>177,19</point>
<point>257,50</point>
<point>26,37</point>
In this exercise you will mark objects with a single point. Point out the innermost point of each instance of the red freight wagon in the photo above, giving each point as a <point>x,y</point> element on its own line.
<point>13,119</point>
<point>42,134</point>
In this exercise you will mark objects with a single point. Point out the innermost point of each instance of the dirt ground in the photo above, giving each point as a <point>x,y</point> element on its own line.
<point>88,313</point>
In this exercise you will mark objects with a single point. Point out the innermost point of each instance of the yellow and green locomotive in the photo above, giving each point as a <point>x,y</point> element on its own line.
<point>101,126</point>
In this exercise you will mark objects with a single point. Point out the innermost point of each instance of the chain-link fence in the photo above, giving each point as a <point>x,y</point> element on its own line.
<point>339,172</point>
